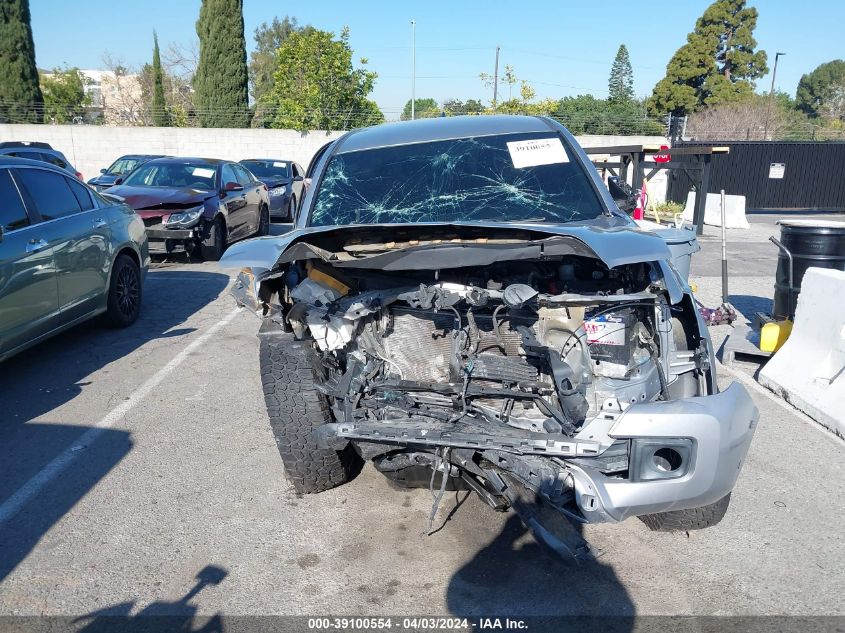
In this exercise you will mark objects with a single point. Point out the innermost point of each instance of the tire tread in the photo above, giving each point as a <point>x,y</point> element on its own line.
<point>296,409</point>
<point>690,519</point>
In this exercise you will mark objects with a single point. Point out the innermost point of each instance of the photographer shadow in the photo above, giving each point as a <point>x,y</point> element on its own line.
<point>160,616</point>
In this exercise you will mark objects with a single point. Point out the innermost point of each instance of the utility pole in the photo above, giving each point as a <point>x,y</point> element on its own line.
<point>496,79</point>
<point>771,97</point>
<point>413,68</point>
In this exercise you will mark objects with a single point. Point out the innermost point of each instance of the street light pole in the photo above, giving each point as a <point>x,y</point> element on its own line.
<point>496,79</point>
<point>413,68</point>
<point>771,96</point>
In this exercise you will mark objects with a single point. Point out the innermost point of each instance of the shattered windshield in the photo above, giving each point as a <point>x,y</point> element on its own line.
<point>505,178</point>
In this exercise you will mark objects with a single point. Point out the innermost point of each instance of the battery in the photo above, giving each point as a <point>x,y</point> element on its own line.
<point>610,336</point>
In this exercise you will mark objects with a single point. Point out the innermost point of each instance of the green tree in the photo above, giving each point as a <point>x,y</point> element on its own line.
<point>21,100</point>
<point>161,115</point>
<point>221,82</point>
<point>262,61</point>
<point>585,114</point>
<point>821,92</point>
<point>456,107</point>
<point>717,65</point>
<point>316,86</point>
<point>423,109</point>
<point>620,85</point>
<point>64,95</point>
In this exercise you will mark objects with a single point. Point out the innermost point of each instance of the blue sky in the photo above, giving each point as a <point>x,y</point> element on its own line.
<point>562,47</point>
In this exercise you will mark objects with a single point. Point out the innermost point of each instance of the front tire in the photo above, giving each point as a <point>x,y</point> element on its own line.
<point>214,245</point>
<point>124,298</point>
<point>289,371</point>
<point>263,222</point>
<point>292,208</point>
<point>687,520</point>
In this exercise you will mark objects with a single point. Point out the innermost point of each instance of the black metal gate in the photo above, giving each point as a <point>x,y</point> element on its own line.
<point>775,174</point>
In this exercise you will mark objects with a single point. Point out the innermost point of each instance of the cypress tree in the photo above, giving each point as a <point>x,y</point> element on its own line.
<point>620,86</point>
<point>161,116</point>
<point>717,65</point>
<point>21,100</point>
<point>221,83</point>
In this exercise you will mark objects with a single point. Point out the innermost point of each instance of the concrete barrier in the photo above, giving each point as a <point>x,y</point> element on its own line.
<point>809,370</point>
<point>734,210</point>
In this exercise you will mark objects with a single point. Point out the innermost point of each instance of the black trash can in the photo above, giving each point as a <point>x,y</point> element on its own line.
<point>812,243</point>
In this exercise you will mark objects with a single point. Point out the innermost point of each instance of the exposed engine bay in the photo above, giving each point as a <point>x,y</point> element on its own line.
<point>535,346</point>
<point>493,375</point>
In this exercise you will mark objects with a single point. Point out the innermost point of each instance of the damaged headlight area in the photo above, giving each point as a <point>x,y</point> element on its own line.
<point>184,219</point>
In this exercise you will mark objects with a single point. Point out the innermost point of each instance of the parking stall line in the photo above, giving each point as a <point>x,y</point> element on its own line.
<point>39,481</point>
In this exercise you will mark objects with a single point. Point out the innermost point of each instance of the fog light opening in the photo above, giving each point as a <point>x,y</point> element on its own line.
<point>667,460</point>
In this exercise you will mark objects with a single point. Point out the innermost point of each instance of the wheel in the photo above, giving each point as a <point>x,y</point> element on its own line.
<point>263,222</point>
<point>289,370</point>
<point>124,299</point>
<point>686,520</point>
<point>214,245</point>
<point>292,208</point>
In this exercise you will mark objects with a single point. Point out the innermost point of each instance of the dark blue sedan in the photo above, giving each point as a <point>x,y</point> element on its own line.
<point>285,181</point>
<point>119,169</point>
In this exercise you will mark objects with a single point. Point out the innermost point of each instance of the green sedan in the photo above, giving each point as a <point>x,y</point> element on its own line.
<point>67,254</point>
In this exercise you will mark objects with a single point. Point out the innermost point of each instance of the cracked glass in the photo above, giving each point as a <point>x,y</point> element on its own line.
<point>459,180</point>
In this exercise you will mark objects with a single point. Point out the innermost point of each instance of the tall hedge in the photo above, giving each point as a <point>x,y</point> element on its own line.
<point>221,84</point>
<point>21,100</point>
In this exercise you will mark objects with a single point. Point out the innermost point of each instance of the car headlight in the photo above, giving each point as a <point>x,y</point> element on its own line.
<point>277,191</point>
<point>185,218</point>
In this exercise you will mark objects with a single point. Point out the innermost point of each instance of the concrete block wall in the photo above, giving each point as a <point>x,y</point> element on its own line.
<point>92,147</point>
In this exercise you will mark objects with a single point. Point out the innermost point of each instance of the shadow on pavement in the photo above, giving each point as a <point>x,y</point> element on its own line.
<point>748,305</point>
<point>39,445</point>
<point>52,373</point>
<point>514,576</point>
<point>161,615</point>
<point>49,375</point>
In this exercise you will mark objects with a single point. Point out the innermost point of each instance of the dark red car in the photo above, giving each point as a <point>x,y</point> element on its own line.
<point>196,204</point>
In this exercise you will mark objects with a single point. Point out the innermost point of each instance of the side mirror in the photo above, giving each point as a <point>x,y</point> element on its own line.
<point>233,186</point>
<point>119,181</point>
<point>103,170</point>
<point>622,193</point>
<point>298,178</point>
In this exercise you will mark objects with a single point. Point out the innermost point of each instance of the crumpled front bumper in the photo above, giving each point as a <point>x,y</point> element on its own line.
<point>720,426</point>
<point>717,430</point>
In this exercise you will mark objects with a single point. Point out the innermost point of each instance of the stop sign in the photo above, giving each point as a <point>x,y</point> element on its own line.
<point>662,157</point>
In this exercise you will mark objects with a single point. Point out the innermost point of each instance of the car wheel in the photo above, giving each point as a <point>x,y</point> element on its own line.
<point>214,245</point>
<point>124,299</point>
<point>291,208</point>
<point>289,371</point>
<point>263,222</point>
<point>686,520</point>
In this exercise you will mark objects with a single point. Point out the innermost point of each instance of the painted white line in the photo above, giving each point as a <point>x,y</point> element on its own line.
<point>752,384</point>
<point>47,474</point>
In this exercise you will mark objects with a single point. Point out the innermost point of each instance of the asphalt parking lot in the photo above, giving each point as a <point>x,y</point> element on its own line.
<point>133,460</point>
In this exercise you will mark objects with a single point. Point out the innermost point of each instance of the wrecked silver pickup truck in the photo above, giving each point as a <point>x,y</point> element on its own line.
<point>461,302</point>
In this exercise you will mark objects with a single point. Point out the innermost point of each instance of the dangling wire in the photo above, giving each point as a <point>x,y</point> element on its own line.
<point>441,457</point>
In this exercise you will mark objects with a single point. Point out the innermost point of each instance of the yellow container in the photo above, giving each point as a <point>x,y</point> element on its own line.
<point>774,334</point>
<point>323,278</point>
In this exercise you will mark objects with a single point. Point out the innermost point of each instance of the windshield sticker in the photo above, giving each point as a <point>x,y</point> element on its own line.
<point>543,151</point>
<point>279,164</point>
<point>203,172</point>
